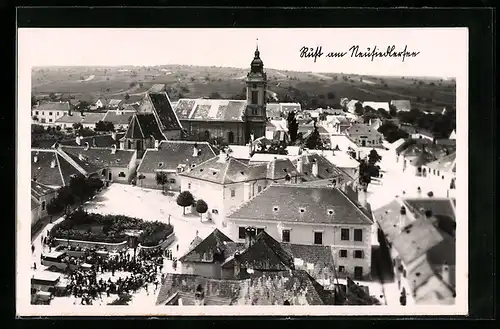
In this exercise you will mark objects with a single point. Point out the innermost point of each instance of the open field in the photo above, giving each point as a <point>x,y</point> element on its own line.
<point>89,83</point>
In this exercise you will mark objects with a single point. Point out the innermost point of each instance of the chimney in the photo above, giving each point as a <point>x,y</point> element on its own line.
<point>113,135</point>
<point>87,146</point>
<point>403,219</point>
<point>53,164</point>
<point>428,214</point>
<point>222,157</point>
<point>157,144</point>
<point>314,168</point>
<point>113,149</point>
<point>237,265</point>
<point>81,157</point>
<point>78,140</point>
<point>299,165</point>
<point>250,235</point>
<point>445,274</point>
<point>35,159</point>
<point>195,150</point>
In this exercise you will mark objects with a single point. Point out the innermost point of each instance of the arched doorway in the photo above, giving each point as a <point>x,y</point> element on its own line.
<point>230,137</point>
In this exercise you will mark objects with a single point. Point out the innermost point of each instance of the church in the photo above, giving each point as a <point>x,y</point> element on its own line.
<point>233,121</point>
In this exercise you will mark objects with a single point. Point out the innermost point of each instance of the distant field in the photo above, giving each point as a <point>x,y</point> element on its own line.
<point>89,83</point>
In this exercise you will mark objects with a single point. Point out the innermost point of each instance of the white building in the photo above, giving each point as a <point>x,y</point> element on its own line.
<point>47,113</point>
<point>311,216</point>
<point>364,135</point>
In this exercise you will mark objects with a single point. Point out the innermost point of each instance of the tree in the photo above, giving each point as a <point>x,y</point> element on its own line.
<point>313,141</point>
<point>215,95</point>
<point>52,96</point>
<point>65,197</point>
<point>373,157</point>
<point>77,126</point>
<point>293,126</point>
<point>185,199</point>
<point>54,207</point>
<point>383,113</point>
<point>82,105</point>
<point>161,179</point>
<point>201,208</point>
<point>127,96</point>
<point>391,132</point>
<point>33,101</point>
<point>393,111</point>
<point>358,108</point>
<point>104,126</point>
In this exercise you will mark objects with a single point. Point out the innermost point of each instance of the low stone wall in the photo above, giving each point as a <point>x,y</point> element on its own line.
<point>92,244</point>
<point>163,245</point>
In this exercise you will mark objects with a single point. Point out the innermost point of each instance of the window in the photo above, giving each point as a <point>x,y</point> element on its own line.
<point>344,234</point>
<point>233,193</point>
<point>36,112</point>
<point>330,212</point>
<point>255,97</point>
<point>189,186</point>
<point>302,210</point>
<point>343,253</point>
<point>358,235</point>
<point>121,174</point>
<point>259,230</point>
<point>275,208</point>
<point>241,232</point>
<point>50,113</point>
<point>358,273</point>
<point>43,205</point>
<point>318,237</point>
<point>358,253</point>
<point>172,181</point>
<point>259,189</point>
<point>285,235</point>
<point>160,164</point>
<point>215,211</point>
<point>50,120</point>
<point>254,86</point>
<point>341,269</point>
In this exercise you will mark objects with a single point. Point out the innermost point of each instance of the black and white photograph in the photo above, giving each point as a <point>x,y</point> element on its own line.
<point>226,171</point>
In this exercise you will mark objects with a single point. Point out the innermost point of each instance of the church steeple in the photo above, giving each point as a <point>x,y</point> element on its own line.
<point>257,66</point>
<point>256,97</point>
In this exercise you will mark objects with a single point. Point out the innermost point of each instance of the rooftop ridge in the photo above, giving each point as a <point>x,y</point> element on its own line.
<point>108,148</point>
<point>200,164</point>
<point>72,162</point>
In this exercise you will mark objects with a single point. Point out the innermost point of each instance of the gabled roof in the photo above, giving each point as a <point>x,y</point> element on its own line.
<point>377,105</point>
<point>59,175</point>
<point>278,169</point>
<point>157,88</point>
<point>205,250</point>
<point>273,110</point>
<point>446,163</point>
<point>289,107</point>
<point>171,154</point>
<point>294,203</point>
<point>53,106</point>
<point>38,190</point>
<point>296,287</point>
<point>163,111</point>
<point>441,207</point>
<point>326,169</point>
<point>75,117</point>
<point>360,128</point>
<point>94,141</point>
<point>115,102</point>
<point>143,126</point>
<point>211,109</point>
<point>121,117</point>
<point>92,118</point>
<point>96,158</point>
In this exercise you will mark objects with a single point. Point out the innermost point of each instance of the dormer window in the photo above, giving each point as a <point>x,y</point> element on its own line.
<point>193,165</point>
<point>285,170</point>
<point>275,208</point>
<point>302,210</point>
<point>160,164</point>
<point>330,212</point>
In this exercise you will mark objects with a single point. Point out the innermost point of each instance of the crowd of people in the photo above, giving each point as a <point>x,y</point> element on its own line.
<point>142,271</point>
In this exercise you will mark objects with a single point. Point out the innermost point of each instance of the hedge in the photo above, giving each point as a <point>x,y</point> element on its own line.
<point>93,227</point>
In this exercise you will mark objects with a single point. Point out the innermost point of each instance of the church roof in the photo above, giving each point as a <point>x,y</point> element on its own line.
<point>164,111</point>
<point>144,125</point>
<point>210,109</point>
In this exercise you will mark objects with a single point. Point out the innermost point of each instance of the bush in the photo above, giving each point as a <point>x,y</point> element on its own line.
<point>81,225</point>
<point>123,299</point>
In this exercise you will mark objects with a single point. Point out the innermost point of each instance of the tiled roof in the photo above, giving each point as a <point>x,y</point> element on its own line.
<point>277,169</point>
<point>96,158</point>
<point>143,126</point>
<point>75,117</point>
<point>442,207</point>
<point>205,250</point>
<point>445,163</point>
<point>157,88</point>
<point>211,109</point>
<point>421,158</point>
<point>95,141</point>
<point>227,172</point>
<point>360,128</point>
<point>289,107</point>
<point>43,173</point>
<point>171,154</point>
<point>325,168</point>
<point>115,102</point>
<point>240,152</point>
<point>92,118</point>
<point>164,111</point>
<point>293,203</point>
<point>122,118</point>
<point>131,107</point>
<point>53,106</point>
<point>264,254</point>
<point>296,287</point>
<point>401,105</point>
<point>343,142</point>
<point>34,203</point>
<point>38,190</point>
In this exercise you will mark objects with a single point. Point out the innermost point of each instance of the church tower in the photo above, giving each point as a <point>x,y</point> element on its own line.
<point>256,82</point>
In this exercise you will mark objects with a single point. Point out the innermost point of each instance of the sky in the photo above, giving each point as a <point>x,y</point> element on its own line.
<point>441,51</point>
